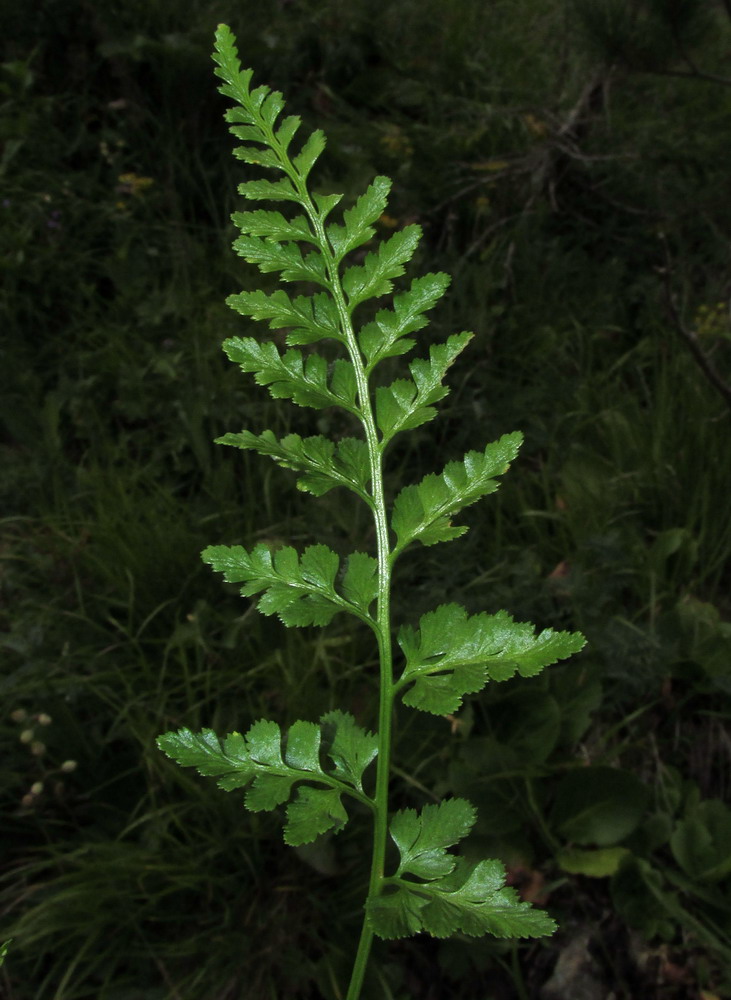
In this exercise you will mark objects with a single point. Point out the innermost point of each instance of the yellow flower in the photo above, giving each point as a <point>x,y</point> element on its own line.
<point>395,142</point>
<point>535,125</point>
<point>134,184</point>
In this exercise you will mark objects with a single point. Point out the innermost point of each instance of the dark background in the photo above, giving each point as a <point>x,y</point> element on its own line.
<point>568,162</point>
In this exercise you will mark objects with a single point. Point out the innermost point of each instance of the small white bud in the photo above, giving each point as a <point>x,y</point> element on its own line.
<point>19,715</point>
<point>44,719</point>
<point>27,736</point>
<point>36,788</point>
<point>68,766</point>
<point>37,748</point>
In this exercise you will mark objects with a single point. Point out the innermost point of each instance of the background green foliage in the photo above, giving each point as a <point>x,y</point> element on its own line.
<point>568,162</point>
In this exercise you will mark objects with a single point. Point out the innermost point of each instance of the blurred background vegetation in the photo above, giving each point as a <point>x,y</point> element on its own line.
<point>568,161</point>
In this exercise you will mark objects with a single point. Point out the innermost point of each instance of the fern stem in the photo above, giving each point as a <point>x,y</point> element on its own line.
<point>361,962</point>
<point>383,614</point>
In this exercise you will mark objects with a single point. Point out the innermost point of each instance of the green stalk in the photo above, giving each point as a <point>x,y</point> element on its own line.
<point>383,618</point>
<point>383,614</point>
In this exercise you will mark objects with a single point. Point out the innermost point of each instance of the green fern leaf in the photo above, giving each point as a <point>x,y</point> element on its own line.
<point>424,510</point>
<point>449,654</point>
<point>258,157</point>
<point>270,106</point>
<point>247,133</point>
<point>422,838</point>
<point>282,190</point>
<point>374,276</point>
<point>243,119</point>
<point>387,336</point>
<point>287,258</point>
<point>287,130</point>
<point>274,226</point>
<point>360,582</point>
<point>357,228</point>
<point>407,403</point>
<point>305,160</point>
<point>455,895</point>
<point>290,376</point>
<point>452,654</point>
<point>325,464</point>
<point>472,900</point>
<point>325,203</point>
<point>258,763</point>
<point>314,811</point>
<point>312,316</point>
<point>350,747</point>
<point>228,67</point>
<point>299,590</point>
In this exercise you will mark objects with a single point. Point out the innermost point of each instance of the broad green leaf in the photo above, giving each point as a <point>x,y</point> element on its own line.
<point>598,805</point>
<point>527,724</point>
<point>357,228</point>
<point>579,692</point>
<point>312,316</point>
<point>274,226</point>
<point>701,842</point>
<point>374,276</point>
<point>424,510</point>
<point>292,376</point>
<point>406,403</point>
<point>473,899</point>
<point>452,654</point>
<point>258,763</point>
<point>286,258</point>
<point>386,336</point>
<point>324,463</point>
<point>299,590</point>
<point>641,897</point>
<point>422,838</point>
<point>599,863</point>
<point>350,747</point>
